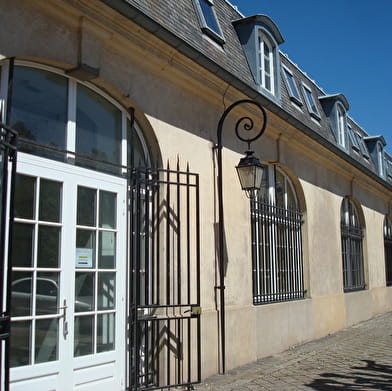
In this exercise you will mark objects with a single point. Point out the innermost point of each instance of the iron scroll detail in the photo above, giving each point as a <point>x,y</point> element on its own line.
<point>244,123</point>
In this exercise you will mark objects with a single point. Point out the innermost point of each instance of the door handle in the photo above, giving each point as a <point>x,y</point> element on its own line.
<point>64,316</point>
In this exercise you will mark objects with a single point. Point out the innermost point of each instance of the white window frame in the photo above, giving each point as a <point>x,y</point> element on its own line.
<point>293,93</point>
<point>310,101</point>
<point>217,36</point>
<point>72,106</point>
<point>263,43</point>
<point>380,160</point>
<point>341,126</point>
<point>362,146</point>
<point>353,139</point>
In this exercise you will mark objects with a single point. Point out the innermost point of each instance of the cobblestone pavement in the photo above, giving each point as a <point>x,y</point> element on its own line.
<point>358,358</point>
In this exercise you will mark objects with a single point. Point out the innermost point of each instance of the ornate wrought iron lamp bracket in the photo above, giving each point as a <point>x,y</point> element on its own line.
<point>246,124</point>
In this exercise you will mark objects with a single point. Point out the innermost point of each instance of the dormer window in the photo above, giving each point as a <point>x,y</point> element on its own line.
<point>291,86</point>
<point>260,39</point>
<point>208,20</point>
<point>335,108</point>
<point>310,102</point>
<point>266,63</point>
<point>375,146</point>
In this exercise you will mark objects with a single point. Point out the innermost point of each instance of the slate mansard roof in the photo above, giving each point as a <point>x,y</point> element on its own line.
<point>177,22</point>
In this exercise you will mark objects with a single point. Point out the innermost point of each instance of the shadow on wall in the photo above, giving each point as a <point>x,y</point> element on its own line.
<point>373,376</point>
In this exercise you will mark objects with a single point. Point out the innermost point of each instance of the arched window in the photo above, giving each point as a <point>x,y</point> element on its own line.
<point>63,119</point>
<point>388,249</point>
<point>352,251</point>
<point>267,66</point>
<point>276,240</point>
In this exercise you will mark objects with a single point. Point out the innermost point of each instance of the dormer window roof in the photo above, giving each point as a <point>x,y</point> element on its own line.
<point>375,145</point>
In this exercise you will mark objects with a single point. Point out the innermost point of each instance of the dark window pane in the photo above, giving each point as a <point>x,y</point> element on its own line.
<point>20,344</point>
<point>46,340</point>
<point>22,245</point>
<point>84,335</point>
<point>98,128</point>
<point>86,214</point>
<point>84,291</point>
<point>105,332</point>
<point>50,201</point>
<point>107,250</point>
<point>24,196</point>
<point>39,106</point>
<point>47,291</point>
<point>21,293</point>
<point>209,16</point>
<point>136,157</point>
<point>106,291</point>
<point>107,209</point>
<point>48,246</point>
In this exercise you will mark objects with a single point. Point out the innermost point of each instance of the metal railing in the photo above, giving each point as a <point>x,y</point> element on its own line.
<point>277,253</point>
<point>8,142</point>
<point>352,255</point>
<point>165,279</point>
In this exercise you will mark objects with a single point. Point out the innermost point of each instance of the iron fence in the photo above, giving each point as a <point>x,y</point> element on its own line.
<point>277,253</point>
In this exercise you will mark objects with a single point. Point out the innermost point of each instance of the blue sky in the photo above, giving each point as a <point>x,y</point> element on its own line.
<point>345,46</point>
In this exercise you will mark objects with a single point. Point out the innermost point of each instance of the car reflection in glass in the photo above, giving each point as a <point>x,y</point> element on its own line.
<point>47,300</point>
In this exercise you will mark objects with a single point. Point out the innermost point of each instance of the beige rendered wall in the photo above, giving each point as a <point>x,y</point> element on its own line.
<point>178,106</point>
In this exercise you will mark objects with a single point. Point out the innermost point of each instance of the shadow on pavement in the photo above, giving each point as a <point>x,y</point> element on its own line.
<point>373,376</point>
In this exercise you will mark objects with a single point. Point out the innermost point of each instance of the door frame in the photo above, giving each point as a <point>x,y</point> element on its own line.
<point>72,176</point>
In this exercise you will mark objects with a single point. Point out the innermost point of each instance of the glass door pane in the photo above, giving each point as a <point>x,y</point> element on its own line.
<point>36,262</point>
<point>95,271</point>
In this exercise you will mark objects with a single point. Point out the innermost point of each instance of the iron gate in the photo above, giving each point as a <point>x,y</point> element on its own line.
<point>8,138</point>
<point>164,335</point>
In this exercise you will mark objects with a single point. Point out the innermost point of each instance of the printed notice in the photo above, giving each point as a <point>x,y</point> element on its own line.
<point>84,258</point>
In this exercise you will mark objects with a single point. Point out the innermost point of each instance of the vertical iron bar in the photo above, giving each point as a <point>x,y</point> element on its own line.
<point>168,274</point>
<point>136,282</point>
<point>221,259</point>
<point>146,229</point>
<point>253,225</point>
<point>198,293</point>
<point>10,239</point>
<point>178,217</point>
<point>188,270</point>
<point>301,253</point>
<point>7,119</point>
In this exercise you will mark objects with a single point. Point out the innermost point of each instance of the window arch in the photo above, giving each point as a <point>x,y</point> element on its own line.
<point>61,118</point>
<point>267,62</point>
<point>277,257</point>
<point>352,247</point>
<point>388,249</point>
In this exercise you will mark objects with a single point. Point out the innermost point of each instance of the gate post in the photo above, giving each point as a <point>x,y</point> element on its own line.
<point>8,141</point>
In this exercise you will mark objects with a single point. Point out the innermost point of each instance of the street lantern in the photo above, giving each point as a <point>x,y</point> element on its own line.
<point>250,173</point>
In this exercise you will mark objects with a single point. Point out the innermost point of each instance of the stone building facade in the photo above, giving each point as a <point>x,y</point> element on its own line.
<point>115,272</point>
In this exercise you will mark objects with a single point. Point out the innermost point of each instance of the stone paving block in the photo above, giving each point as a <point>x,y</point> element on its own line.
<point>358,358</point>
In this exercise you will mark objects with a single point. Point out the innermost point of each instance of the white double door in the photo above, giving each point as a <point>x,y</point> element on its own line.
<point>68,278</point>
